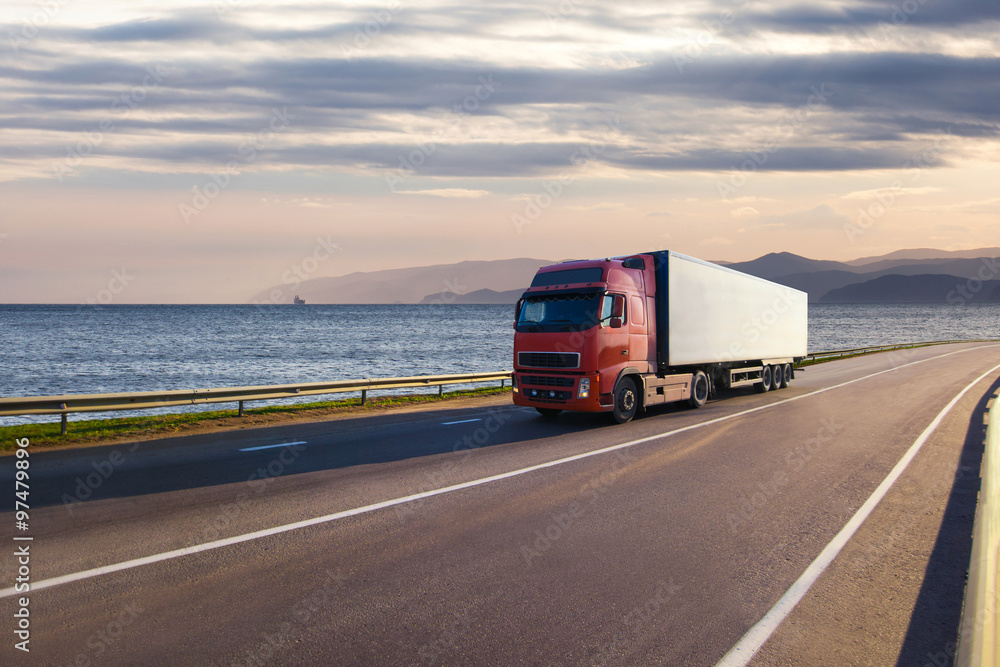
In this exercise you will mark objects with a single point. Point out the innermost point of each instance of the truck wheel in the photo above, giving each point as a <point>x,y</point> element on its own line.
<point>699,390</point>
<point>765,381</point>
<point>548,412</point>
<point>626,401</point>
<point>786,375</point>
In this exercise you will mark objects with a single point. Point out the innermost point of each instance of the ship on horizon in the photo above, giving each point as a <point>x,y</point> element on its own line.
<point>298,301</point>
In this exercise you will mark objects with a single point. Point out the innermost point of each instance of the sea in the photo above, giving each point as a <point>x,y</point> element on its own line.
<point>65,349</point>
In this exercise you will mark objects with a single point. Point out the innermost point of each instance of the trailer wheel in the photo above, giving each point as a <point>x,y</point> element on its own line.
<point>786,375</point>
<point>765,381</point>
<point>699,390</point>
<point>626,401</point>
<point>548,412</point>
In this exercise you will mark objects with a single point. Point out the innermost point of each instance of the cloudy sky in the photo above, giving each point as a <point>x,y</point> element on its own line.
<point>198,152</point>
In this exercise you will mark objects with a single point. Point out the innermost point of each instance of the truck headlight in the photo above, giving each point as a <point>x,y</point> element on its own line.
<point>513,382</point>
<point>583,391</point>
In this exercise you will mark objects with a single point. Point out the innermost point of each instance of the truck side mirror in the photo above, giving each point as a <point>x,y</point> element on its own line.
<point>517,311</point>
<point>618,306</point>
<point>615,323</point>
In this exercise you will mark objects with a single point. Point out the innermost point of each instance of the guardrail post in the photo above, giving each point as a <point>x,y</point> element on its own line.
<point>62,424</point>
<point>440,391</point>
<point>502,383</point>
<point>241,408</point>
<point>364,396</point>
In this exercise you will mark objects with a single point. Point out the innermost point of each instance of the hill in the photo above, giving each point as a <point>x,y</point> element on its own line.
<point>916,276</point>
<point>423,284</point>
<point>477,297</point>
<point>926,288</point>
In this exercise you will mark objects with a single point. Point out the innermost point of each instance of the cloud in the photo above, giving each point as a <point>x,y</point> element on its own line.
<point>813,19</point>
<point>882,192</point>
<point>718,241</point>
<point>745,212</point>
<point>368,109</point>
<point>819,217</point>
<point>459,193</point>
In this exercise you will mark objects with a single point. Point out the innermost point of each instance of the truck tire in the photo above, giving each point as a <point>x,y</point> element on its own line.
<point>786,374</point>
<point>764,385</point>
<point>549,412</point>
<point>699,390</point>
<point>626,401</point>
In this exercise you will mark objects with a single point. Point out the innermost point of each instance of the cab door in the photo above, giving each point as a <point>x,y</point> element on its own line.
<point>613,342</point>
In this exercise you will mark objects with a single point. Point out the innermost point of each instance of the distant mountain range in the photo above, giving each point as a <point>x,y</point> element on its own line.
<point>441,283</point>
<point>920,275</point>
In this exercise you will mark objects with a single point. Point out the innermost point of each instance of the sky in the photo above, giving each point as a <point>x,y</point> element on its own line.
<point>187,152</point>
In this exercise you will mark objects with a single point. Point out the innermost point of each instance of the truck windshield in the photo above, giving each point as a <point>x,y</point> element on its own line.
<point>561,312</point>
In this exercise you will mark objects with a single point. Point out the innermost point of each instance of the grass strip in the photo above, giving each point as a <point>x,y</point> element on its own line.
<point>100,431</point>
<point>813,362</point>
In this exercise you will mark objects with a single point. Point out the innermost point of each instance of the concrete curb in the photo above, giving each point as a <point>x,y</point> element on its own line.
<point>978,635</point>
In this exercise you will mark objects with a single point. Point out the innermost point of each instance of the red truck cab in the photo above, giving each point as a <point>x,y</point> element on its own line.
<point>581,326</point>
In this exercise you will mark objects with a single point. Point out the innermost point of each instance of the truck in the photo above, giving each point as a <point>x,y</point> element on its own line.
<point>621,334</point>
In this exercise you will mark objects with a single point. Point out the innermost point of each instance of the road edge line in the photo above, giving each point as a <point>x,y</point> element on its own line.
<point>743,652</point>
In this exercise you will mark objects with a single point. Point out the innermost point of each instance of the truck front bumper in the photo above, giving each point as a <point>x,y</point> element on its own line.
<point>561,392</point>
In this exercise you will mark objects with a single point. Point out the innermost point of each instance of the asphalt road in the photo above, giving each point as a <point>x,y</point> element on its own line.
<point>663,551</point>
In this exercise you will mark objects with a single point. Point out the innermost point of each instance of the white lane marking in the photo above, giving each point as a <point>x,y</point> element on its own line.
<point>283,444</point>
<point>744,651</point>
<point>207,546</point>
<point>464,421</point>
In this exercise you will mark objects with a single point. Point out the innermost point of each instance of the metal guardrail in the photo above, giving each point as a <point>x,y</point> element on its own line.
<point>978,636</point>
<point>140,400</point>
<point>833,354</point>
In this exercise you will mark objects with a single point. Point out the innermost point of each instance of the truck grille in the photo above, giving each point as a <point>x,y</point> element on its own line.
<point>548,359</point>
<point>546,381</point>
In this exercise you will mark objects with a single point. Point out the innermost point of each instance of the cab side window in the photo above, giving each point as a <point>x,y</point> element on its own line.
<point>608,308</point>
